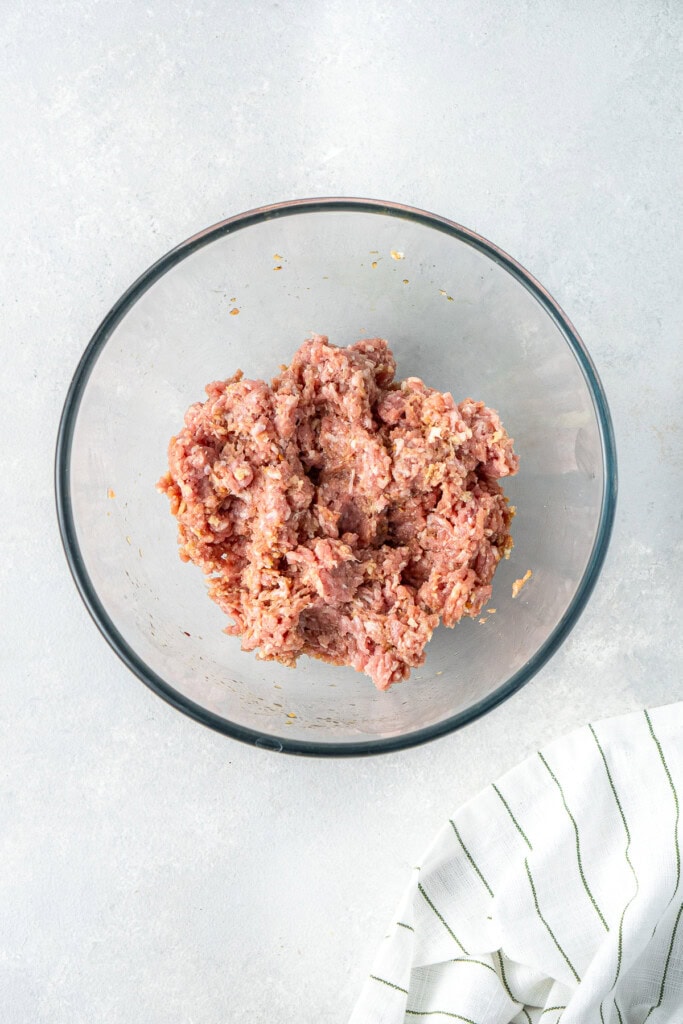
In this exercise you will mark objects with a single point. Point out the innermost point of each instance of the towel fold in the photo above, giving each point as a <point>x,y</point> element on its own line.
<point>554,895</point>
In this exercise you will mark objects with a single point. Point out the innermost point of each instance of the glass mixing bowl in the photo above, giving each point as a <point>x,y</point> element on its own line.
<point>457,312</point>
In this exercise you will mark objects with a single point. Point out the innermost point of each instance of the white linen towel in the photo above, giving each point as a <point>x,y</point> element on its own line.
<point>554,895</point>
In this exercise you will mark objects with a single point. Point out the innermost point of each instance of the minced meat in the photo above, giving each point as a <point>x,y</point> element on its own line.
<point>339,513</point>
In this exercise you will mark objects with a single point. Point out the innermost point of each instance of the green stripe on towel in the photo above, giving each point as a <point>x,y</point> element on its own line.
<point>620,939</point>
<point>548,928</point>
<point>514,820</point>
<point>578,844</point>
<point>471,859</point>
<point>389,984</point>
<point>440,917</point>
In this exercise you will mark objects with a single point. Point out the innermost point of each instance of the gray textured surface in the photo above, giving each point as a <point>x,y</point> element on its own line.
<point>153,871</point>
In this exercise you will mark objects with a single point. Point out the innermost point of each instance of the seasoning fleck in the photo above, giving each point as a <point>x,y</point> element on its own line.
<point>234,312</point>
<point>396,255</point>
<point>110,493</point>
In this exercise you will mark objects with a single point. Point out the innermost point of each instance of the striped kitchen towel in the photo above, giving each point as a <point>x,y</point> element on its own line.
<point>554,895</point>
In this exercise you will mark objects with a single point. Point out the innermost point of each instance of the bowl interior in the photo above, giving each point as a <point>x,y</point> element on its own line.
<point>456,314</point>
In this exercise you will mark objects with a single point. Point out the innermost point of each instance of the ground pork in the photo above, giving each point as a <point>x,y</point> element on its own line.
<point>339,513</point>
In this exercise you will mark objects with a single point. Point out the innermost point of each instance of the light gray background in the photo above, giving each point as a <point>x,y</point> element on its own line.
<point>149,869</point>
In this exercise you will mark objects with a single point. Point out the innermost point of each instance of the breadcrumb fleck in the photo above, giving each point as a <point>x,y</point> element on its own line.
<point>396,255</point>
<point>518,584</point>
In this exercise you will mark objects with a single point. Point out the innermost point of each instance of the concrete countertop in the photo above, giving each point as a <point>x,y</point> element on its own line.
<point>151,870</point>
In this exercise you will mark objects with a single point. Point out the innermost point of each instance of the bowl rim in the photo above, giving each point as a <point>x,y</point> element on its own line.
<point>74,555</point>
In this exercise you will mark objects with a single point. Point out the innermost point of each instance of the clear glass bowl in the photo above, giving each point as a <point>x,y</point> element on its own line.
<point>457,312</point>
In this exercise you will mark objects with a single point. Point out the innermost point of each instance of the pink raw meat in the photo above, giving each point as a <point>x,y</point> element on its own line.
<point>339,513</point>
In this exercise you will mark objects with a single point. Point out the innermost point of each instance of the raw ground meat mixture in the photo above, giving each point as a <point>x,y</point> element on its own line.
<point>340,513</point>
